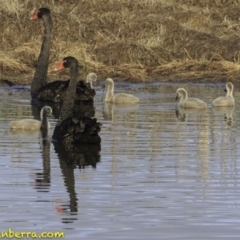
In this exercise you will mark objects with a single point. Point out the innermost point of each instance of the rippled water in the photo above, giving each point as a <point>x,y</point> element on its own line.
<point>160,174</point>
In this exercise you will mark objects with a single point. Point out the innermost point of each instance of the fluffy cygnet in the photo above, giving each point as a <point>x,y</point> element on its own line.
<point>33,123</point>
<point>119,97</point>
<point>186,102</point>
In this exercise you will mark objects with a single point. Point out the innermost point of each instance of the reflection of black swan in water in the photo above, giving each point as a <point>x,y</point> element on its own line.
<point>73,156</point>
<point>42,179</point>
<point>70,129</point>
<point>53,91</point>
<point>77,156</point>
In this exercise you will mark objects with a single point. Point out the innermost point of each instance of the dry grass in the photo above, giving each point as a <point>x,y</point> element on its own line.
<point>140,40</point>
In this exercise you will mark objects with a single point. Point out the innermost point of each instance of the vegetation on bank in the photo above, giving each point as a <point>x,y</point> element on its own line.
<point>140,40</point>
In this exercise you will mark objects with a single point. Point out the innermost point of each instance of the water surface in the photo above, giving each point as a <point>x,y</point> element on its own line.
<point>160,174</point>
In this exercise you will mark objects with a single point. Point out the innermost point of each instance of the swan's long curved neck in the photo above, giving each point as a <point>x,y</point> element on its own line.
<point>230,92</point>
<point>91,84</point>
<point>40,76</point>
<point>110,91</point>
<point>89,80</point>
<point>185,95</point>
<point>43,117</point>
<point>69,99</point>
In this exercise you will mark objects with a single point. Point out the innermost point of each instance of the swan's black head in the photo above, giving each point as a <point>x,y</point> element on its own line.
<point>67,62</point>
<point>40,12</point>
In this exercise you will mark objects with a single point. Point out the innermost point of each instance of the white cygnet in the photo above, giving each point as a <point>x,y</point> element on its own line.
<point>91,77</point>
<point>228,100</point>
<point>119,97</point>
<point>33,124</point>
<point>186,102</point>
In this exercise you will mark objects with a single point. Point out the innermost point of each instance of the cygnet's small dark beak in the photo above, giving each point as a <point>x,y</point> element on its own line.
<point>176,98</point>
<point>103,86</point>
<point>225,90</point>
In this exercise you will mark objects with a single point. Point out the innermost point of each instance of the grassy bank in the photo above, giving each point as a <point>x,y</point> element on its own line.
<point>140,40</point>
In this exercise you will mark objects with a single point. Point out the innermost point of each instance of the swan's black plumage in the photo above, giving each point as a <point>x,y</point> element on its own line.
<point>54,91</point>
<point>40,76</point>
<point>70,129</point>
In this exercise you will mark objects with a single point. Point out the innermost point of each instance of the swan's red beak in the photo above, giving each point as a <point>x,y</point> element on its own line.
<point>60,66</point>
<point>35,16</point>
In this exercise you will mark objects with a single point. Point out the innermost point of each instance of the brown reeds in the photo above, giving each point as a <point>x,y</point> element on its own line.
<point>140,40</point>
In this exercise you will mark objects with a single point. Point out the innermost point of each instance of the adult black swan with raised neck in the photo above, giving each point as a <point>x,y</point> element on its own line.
<point>54,91</point>
<point>71,129</point>
<point>40,76</point>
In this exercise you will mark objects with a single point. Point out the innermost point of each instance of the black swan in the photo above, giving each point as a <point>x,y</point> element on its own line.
<point>70,129</point>
<point>56,90</point>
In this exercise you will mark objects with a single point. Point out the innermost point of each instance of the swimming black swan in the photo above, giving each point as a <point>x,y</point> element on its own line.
<point>56,90</point>
<point>70,129</point>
